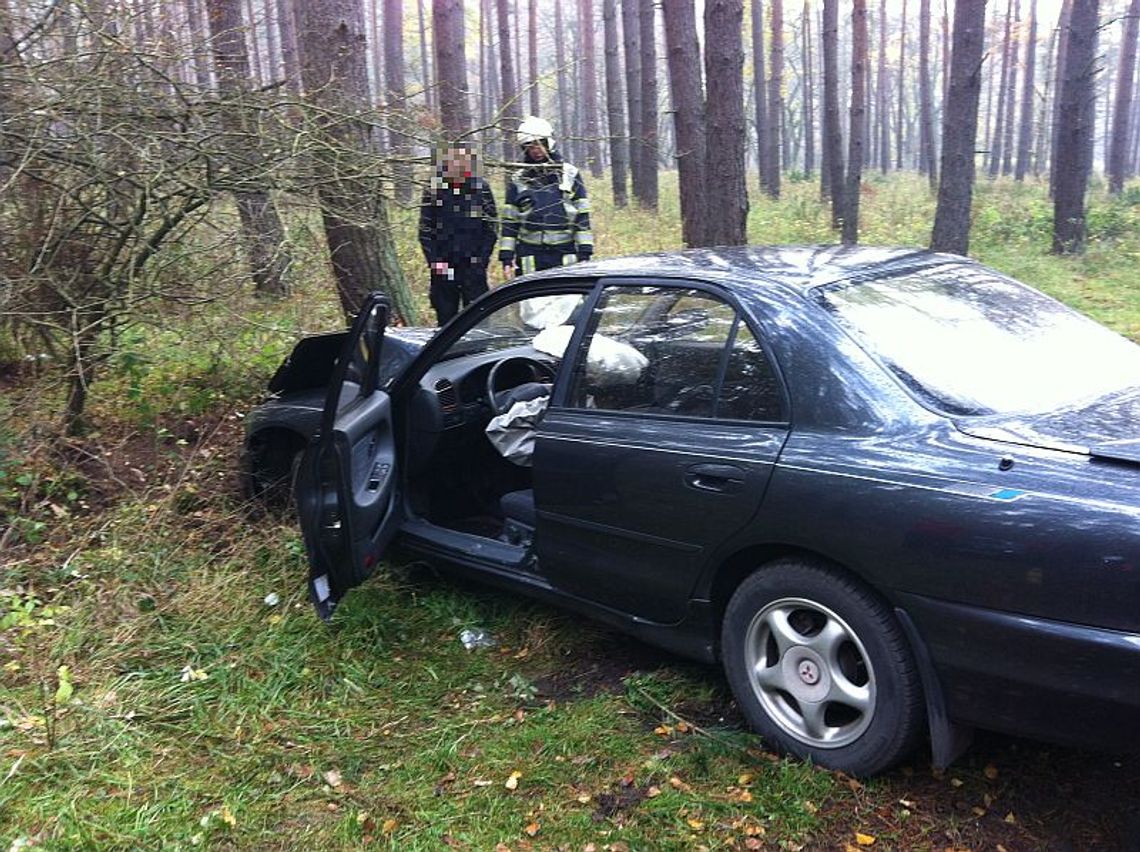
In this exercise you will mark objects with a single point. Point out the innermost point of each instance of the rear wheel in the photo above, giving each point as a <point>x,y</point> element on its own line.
<point>820,667</point>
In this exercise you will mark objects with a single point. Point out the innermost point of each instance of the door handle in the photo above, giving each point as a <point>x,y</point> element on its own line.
<point>724,478</point>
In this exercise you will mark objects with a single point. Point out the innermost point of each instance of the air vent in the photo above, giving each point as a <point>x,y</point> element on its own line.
<point>445,392</point>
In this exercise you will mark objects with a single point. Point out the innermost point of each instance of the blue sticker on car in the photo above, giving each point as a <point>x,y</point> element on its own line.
<point>1006,494</point>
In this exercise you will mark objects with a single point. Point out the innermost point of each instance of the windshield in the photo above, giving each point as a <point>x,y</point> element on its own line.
<point>517,323</point>
<point>972,342</point>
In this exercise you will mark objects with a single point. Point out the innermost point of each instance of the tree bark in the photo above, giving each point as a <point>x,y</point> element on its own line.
<point>512,107</point>
<point>334,69</point>
<point>262,233</point>
<point>532,53</point>
<point>401,143</point>
<point>808,95</point>
<point>900,127</point>
<point>590,86</point>
<point>855,132</point>
<point>1125,82</point>
<point>775,98</point>
<point>760,91</point>
<point>1025,129</point>
<point>959,130</point>
<point>631,42</point>
<point>683,53</point>
<point>1011,93</point>
<point>925,106</point>
<point>615,106</point>
<point>1074,141</point>
<point>833,133</point>
<point>647,197</point>
<point>425,62</point>
<point>882,95</point>
<point>448,27</point>
<point>726,220</point>
<point>1058,85</point>
<point>560,59</point>
<point>995,152</point>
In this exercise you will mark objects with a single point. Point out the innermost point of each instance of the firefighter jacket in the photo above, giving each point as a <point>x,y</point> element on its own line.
<point>546,212</point>
<point>458,222</point>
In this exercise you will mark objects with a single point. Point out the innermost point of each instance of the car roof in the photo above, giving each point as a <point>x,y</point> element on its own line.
<point>799,268</point>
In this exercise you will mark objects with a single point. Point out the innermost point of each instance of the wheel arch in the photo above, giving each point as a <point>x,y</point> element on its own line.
<point>267,459</point>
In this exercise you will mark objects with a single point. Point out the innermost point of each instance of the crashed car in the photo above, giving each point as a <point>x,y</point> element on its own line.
<point>894,493</point>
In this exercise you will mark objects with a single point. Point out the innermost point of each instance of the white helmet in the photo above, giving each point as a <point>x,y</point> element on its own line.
<point>534,128</point>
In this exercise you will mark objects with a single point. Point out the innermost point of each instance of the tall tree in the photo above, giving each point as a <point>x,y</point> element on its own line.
<point>1059,72</point>
<point>334,69</point>
<point>775,98</point>
<point>1025,131</point>
<point>808,93</point>
<point>448,26</point>
<point>1074,141</point>
<point>532,53</point>
<point>512,108</point>
<point>760,91</point>
<point>683,54</point>
<point>900,124</point>
<point>832,132</point>
<point>590,86</point>
<point>1011,92</point>
<point>1125,83</point>
<point>647,196</point>
<point>262,232</point>
<point>726,220</point>
<point>925,96</point>
<point>564,93</point>
<point>960,130</point>
<point>425,63</point>
<point>857,126</point>
<point>397,95</point>
<point>631,42</point>
<point>615,106</point>
<point>995,154</point>
<point>201,61</point>
<point>882,95</point>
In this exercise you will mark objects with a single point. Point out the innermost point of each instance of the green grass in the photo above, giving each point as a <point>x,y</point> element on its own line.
<point>201,717</point>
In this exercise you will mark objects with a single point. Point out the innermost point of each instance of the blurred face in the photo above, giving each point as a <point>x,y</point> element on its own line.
<point>458,164</point>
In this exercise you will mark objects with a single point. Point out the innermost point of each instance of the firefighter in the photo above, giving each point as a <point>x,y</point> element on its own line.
<point>546,219</point>
<point>457,231</point>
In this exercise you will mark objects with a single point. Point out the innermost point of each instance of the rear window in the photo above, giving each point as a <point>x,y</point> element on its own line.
<point>972,342</point>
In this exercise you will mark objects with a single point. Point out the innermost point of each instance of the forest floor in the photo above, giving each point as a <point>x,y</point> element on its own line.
<point>164,682</point>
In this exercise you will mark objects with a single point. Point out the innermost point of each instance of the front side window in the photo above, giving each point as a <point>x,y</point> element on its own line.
<point>674,351</point>
<point>519,323</point>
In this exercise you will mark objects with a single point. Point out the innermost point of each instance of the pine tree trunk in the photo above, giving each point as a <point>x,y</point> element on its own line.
<point>683,53</point>
<point>425,62</point>
<point>615,105</point>
<point>631,42</point>
<point>999,123</point>
<point>833,133</point>
<point>1059,72</point>
<point>1125,82</point>
<point>511,107</point>
<point>334,69</point>
<point>900,126</point>
<point>775,99</point>
<point>808,95</point>
<point>590,86</point>
<point>925,106</point>
<point>648,43</point>
<point>262,232</point>
<point>448,28</point>
<point>201,54</point>
<point>855,132</point>
<point>882,95</point>
<point>250,30</point>
<point>1074,141</point>
<point>960,130</point>
<point>401,142</point>
<point>725,220</point>
<point>532,53</point>
<point>1011,93</point>
<point>760,89</point>
<point>560,59</point>
<point>1025,131</point>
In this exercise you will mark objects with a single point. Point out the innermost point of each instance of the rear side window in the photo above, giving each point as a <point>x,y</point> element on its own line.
<point>674,351</point>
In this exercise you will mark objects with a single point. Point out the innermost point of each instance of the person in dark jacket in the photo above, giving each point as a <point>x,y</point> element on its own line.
<point>457,232</point>
<point>546,218</point>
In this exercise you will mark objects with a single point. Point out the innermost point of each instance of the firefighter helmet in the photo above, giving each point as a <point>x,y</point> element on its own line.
<point>533,129</point>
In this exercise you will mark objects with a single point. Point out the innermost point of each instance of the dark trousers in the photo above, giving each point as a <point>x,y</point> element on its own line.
<point>469,283</point>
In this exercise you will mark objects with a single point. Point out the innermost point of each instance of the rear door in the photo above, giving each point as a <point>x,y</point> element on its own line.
<point>658,451</point>
<point>347,499</point>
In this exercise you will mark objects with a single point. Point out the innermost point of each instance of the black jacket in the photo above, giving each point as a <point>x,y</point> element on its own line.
<point>458,222</point>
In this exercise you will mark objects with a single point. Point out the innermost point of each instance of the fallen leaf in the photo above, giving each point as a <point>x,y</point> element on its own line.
<point>811,807</point>
<point>228,817</point>
<point>978,812</point>
<point>332,778</point>
<point>955,782</point>
<point>864,839</point>
<point>695,823</point>
<point>907,803</point>
<point>663,730</point>
<point>479,782</point>
<point>1010,818</point>
<point>677,784</point>
<point>653,792</point>
<point>584,798</point>
<point>744,779</point>
<point>388,827</point>
<point>533,829</point>
<point>512,782</point>
<point>683,727</point>
<point>990,771</point>
<point>753,843</point>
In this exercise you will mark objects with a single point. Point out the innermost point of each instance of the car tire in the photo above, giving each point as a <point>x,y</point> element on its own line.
<point>270,465</point>
<point>820,667</point>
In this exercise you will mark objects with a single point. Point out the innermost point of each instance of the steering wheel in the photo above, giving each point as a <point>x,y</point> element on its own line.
<point>538,371</point>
